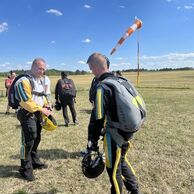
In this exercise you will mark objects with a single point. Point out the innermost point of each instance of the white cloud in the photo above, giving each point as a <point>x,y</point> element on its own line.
<point>6,64</point>
<point>26,66</point>
<point>3,27</point>
<point>63,64</point>
<point>121,58</point>
<point>189,7</point>
<point>29,62</point>
<point>87,6</point>
<point>121,65</point>
<point>53,42</point>
<point>168,0</point>
<point>87,40</point>
<point>55,12</point>
<point>171,60</point>
<point>82,62</point>
<point>122,6</point>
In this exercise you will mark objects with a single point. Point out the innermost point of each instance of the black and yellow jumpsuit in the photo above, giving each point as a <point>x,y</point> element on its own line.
<point>116,142</point>
<point>30,119</point>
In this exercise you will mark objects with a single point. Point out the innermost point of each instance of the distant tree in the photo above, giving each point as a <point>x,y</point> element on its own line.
<point>55,72</point>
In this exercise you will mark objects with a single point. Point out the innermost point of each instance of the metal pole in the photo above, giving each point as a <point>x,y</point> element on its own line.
<point>138,58</point>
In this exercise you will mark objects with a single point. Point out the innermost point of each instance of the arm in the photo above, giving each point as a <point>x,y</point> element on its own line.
<point>24,95</point>
<point>8,83</point>
<point>92,90</point>
<point>47,85</point>
<point>56,91</point>
<point>97,118</point>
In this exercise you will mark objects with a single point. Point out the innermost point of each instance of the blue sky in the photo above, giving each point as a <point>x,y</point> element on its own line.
<point>66,32</point>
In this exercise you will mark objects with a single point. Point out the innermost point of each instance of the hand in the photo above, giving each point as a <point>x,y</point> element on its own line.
<point>46,111</point>
<point>92,146</point>
<point>48,107</point>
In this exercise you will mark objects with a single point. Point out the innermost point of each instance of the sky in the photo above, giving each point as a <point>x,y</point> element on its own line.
<point>66,32</point>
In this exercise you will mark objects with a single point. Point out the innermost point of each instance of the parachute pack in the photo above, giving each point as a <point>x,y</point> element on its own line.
<point>68,88</point>
<point>12,100</point>
<point>130,105</point>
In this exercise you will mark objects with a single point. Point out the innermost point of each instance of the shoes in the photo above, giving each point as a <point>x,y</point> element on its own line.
<point>26,175</point>
<point>135,192</point>
<point>76,122</point>
<point>39,166</point>
<point>66,124</point>
<point>83,152</point>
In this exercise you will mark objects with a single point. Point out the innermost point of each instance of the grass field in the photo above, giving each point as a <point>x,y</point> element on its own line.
<point>162,152</point>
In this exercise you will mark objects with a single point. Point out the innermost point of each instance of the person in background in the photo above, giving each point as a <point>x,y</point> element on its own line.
<point>118,73</point>
<point>116,142</point>
<point>8,83</point>
<point>65,93</point>
<point>47,88</point>
<point>32,105</point>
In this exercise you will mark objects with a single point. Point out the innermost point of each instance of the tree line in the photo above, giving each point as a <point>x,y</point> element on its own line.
<point>55,72</point>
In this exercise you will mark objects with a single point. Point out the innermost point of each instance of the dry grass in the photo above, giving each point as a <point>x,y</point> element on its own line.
<point>162,155</point>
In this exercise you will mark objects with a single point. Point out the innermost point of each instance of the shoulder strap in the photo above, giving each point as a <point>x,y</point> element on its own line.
<point>32,85</point>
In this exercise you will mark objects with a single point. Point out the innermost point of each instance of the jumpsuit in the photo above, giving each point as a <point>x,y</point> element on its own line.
<point>116,142</point>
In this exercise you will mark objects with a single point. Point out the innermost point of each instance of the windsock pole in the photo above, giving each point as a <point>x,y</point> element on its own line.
<point>138,59</point>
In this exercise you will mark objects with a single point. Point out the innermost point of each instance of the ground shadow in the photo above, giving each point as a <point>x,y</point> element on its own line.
<point>54,154</point>
<point>9,171</point>
<point>12,114</point>
<point>165,87</point>
<point>63,125</point>
<point>50,154</point>
<point>88,111</point>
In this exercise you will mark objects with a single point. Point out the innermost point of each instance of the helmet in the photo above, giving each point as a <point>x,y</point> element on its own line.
<point>57,106</point>
<point>48,123</point>
<point>92,168</point>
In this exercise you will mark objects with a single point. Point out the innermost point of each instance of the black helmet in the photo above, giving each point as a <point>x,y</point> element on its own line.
<point>57,106</point>
<point>92,166</point>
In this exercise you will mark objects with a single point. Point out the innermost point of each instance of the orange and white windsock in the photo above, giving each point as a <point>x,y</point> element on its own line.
<point>137,24</point>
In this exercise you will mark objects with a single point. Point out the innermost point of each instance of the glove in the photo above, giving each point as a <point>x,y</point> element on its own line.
<point>92,146</point>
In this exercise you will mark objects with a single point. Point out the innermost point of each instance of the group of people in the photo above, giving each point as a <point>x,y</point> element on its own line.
<point>33,105</point>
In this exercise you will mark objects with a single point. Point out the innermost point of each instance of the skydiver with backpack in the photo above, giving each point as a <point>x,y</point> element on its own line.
<point>65,94</point>
<point>116,137</point>
<point>28,94</point>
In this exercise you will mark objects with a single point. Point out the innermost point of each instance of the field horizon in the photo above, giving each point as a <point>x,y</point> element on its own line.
<point>162,153</point>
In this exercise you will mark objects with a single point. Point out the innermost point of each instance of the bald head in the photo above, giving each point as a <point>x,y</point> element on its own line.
<point>37,60</point>
<point>97,59</point>
<point>98,63</point>
<point>38,67</point>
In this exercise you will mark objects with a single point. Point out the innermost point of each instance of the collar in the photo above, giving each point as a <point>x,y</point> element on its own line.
<point>105,75</point>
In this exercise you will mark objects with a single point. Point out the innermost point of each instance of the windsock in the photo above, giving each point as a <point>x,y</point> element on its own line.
<point>137,24</point>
